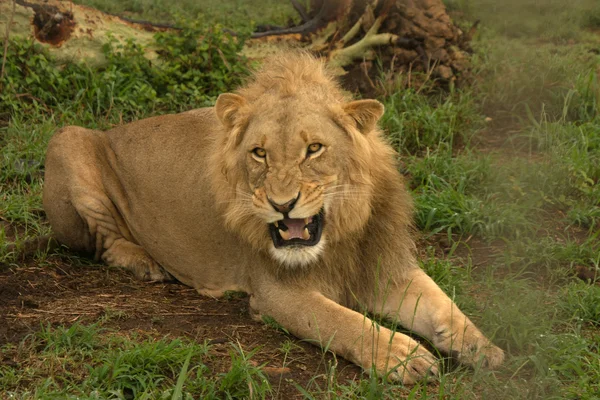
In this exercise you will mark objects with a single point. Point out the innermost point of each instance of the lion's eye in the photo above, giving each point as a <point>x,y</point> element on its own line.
<point>313,148</point>
<point>259,152</point>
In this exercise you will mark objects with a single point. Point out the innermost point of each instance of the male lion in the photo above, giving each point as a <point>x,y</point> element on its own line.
<point>285,190</point>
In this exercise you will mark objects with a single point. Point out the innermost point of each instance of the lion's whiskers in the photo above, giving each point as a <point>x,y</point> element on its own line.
<point>346,191</point>
<point>237,214</point>
<point>243,194</point>
<point>346,188</point>
<point>337,187</point>
<point>344,194</point>
<point>240,195</point>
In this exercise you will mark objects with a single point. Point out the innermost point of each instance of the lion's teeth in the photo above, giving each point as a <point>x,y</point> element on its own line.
<point>305,234</point>
<point>284,235</point>
<point>276,224</point>
<point>306,221</point>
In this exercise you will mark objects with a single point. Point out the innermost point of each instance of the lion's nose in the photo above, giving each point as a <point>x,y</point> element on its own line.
<point>285,207</point>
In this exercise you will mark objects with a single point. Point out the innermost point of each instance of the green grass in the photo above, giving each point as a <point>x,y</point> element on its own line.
<point>92,362</point>
<point>519,78</point>
<point>417,124</point>
<point>531,19</point>
<point>241,15</point>
<point>532,196</point>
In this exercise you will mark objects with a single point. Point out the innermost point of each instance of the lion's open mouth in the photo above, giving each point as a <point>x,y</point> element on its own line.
<point>297,231</point>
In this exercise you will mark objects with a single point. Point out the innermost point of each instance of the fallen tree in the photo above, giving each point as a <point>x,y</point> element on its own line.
<point>366,40</point>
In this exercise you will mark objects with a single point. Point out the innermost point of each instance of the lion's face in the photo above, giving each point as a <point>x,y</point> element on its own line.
<point>300,171</point>
<point>295,172</point>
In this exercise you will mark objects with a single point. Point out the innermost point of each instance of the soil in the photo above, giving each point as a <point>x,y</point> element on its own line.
<point>63,292</point>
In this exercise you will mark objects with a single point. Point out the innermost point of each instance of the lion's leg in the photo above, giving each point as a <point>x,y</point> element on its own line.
<point>79,210</point>
<point>420,305</point>
<point>126,254</point>
<point>113,242</point>
<point>310,315</point>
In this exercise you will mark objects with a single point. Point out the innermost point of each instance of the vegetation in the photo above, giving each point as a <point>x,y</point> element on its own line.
<point>238,14</point>
<point>505,175</point>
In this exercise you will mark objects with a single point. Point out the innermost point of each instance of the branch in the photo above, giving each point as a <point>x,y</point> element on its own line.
<point>352,32</point>
<point>469,35</point>
<point>345,56</point>
<point>329,11</point>
<point>308,26</point>
<point>10,21</point>
<point>300,10</point>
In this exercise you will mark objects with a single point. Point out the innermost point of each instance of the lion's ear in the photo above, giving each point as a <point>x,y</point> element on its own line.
<point>227,106</point>
<point>365,113</point>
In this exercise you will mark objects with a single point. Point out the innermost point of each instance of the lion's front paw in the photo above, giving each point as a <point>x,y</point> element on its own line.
<point>131,256</point>
<point>149,270</point>
<point>488,355</point>
<point>406,361</point>
<point>481,352</point>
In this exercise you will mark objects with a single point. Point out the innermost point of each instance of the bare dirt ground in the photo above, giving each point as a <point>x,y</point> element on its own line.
<point>63,293</point>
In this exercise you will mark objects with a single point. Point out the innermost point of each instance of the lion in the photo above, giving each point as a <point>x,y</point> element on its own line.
<point>286,190</point>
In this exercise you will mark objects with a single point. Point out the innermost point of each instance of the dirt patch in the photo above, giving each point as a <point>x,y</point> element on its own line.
<point>60,293</point>
<point>51,25</point>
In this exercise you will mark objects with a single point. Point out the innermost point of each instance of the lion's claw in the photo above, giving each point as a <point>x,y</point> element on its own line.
<point>408,362</point>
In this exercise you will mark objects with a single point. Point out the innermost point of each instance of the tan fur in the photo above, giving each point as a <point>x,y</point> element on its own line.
<point>185,195</point>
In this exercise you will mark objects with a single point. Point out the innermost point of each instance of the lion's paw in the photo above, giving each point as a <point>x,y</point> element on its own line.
<point>481,352</point>
<point>134,258</point>
<point>150,270</point>
<point>407,362</point>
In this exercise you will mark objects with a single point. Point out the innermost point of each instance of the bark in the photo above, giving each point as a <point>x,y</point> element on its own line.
<point>378,42</point>
<point>374,44</point>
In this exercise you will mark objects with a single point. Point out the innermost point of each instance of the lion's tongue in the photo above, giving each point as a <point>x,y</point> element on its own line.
<point>295,227</point>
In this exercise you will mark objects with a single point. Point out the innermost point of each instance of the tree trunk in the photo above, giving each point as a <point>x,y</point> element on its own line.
<point>371,39</point>
<point>375,44</point>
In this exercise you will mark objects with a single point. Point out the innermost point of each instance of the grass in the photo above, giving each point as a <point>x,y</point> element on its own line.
<point>531,19</point>
<point>508,168</point>
<point>419,123</point>
<point>89,361</point>
<point>238,14</point>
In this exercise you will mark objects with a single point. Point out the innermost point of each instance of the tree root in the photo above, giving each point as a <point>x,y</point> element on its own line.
<point>352,32</point>
<point>362,49</point>
<point>305,28</point>
<point>300,10</point>
<point>329,11</point>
